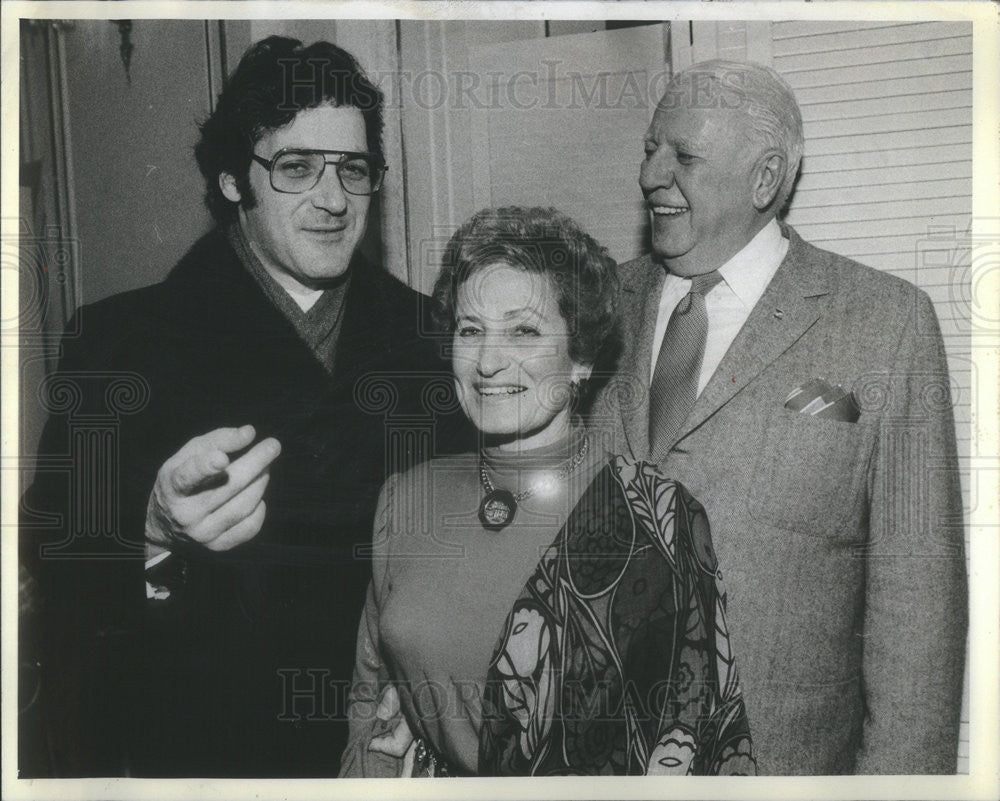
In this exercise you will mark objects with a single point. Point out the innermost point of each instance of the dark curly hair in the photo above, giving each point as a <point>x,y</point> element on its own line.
<point>275,80</point>
<point>540,240</point>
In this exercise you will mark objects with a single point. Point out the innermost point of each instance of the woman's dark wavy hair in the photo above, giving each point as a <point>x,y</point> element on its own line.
<point>275,80</point>
<point>545,241</point>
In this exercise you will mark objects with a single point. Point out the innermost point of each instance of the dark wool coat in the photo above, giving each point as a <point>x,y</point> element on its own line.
<point>244,670</point>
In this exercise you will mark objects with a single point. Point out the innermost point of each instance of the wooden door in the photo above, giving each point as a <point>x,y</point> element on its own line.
<point>530,120</point>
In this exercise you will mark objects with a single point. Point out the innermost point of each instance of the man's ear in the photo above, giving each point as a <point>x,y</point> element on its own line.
<point>227,183</point>
<point>768,175</point>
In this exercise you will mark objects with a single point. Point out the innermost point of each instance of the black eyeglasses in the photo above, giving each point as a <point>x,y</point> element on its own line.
<point>295,171</point>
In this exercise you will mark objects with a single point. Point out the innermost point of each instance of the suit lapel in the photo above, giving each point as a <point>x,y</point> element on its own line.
<point>642,285</point>
<point>791,304</point>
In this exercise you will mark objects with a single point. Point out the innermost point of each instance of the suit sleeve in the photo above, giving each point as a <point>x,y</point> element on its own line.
<point>371,676</point>
<point>916,611</point>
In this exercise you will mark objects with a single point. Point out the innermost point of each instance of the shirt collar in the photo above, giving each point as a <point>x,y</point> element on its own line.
<point>749,272</point>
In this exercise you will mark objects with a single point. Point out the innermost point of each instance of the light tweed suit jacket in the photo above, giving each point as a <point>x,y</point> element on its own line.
<point>841,544</point>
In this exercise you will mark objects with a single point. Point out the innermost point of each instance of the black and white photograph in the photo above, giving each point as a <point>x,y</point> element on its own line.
<point>526,397</point>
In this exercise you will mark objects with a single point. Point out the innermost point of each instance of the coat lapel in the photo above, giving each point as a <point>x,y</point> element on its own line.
<point>366,339</point>
<point>642,285</point>
<point>791,304</point>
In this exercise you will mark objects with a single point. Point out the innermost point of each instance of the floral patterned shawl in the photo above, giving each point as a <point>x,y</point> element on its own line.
<point>615,658</point>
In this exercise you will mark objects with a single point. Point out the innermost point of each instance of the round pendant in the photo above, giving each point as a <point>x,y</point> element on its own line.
<point>497,509</point>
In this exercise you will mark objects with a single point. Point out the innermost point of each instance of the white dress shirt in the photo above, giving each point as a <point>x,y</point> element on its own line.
<point>744,278</point>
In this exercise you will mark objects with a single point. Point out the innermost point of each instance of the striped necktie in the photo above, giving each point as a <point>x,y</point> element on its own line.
<point>675,380</point>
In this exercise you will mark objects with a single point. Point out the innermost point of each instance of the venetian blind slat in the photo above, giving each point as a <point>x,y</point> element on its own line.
<point>854,73</point>
<point>840,144</point>
<point>855,39</point>
<point>860,109</point>
<point>863,249</point>
<point>931,209</point>
<point>872,160</point>
<point>884,191</point>
<point>885,55</point>
<point>898,177</point>
<point>833,234</point>
<point>806,30</point>
<point>911,119</point>
<point>914,87</point>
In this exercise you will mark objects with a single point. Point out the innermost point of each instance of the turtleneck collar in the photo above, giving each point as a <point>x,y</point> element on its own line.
<point>543,457</point>
<point>515,470</point>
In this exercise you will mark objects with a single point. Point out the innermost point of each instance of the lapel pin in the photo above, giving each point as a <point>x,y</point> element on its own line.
<point>778,314</point>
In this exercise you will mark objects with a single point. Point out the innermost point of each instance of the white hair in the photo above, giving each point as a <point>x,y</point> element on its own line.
<point>768,101</point>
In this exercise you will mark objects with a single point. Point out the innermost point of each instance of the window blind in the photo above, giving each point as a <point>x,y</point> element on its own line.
<point>887,173</point>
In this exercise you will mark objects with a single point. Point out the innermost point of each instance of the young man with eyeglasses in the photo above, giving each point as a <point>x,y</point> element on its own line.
<point>275,364</point>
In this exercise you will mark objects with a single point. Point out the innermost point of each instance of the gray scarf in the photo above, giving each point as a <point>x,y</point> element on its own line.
<point>319,327</point>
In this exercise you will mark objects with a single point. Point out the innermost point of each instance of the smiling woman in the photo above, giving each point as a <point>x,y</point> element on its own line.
<point>539,607</point>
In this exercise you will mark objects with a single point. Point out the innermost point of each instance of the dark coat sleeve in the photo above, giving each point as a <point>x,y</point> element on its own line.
<point>80,542</point>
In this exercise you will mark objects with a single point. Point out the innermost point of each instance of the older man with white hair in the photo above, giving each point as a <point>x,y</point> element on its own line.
<point>804,399</point>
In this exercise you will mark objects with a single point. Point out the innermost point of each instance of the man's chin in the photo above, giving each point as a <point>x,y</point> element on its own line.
<point>678,261</point>
<point>327,264</point>
<point>669,239</point>
<point>668,249</point>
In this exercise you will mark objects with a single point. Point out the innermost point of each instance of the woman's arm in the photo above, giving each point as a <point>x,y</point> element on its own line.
<point>371,712</point>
